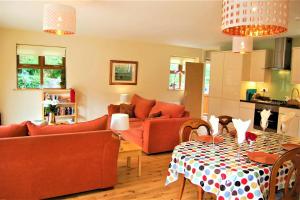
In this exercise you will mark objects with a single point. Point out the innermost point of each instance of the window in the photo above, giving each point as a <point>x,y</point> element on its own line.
<point>40,67</point>
<point>177,72</point>
<point>206,77</point>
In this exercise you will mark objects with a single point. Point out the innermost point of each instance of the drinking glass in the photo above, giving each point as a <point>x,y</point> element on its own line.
<point>283,129</point>
<point>264,127</point>
<point>214,147</point>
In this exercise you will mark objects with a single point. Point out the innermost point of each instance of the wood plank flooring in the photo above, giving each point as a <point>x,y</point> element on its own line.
<point>151,185</point>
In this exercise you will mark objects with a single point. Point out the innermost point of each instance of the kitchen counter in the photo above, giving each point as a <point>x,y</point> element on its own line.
<point>270,103</point>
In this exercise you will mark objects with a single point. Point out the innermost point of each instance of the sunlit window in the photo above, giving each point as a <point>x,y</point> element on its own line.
<point>177,72</point>
<point>40,67</point>
<point>206,77</point>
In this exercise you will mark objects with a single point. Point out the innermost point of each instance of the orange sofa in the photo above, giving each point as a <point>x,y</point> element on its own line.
<point>154,133</point>
<point>45,166</point>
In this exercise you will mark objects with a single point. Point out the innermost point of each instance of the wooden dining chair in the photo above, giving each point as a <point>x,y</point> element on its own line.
<point>224,120</point>
<point>287,193</point>
<point>187,133</point>
<point>187,129</point>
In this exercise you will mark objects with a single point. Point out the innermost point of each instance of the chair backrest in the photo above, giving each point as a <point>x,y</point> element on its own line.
<point>187,128</point>
<point>224,120</point>
<point>288,193</point>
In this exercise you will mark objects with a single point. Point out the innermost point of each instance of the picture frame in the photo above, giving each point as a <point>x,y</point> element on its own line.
<point>123,72</point>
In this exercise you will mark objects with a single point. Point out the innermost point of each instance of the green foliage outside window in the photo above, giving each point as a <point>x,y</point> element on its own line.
<point>53,78</point>
<point>30,69</point>
<point>54,60</point>
<point>206,78</point>
<point>28,59</point>
<point>29,78</point>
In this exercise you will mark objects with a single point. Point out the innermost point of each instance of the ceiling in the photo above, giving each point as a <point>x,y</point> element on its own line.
<point>184,23</point>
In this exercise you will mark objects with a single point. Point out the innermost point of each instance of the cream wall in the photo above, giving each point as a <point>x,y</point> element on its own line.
<point>87,64</point>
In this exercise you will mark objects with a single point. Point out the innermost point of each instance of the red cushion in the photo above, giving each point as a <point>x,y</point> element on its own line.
<point>112,109</point>
<point>94,125</point>
<point>142,106</point>
<point>171,109</point>
<point>14,130</point>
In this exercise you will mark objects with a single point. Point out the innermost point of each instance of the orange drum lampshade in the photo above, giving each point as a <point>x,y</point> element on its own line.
<point>242,44</point>
<point>59,19</point>
<point>254,17</point>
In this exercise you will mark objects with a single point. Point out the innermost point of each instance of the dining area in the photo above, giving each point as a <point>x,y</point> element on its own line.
<point>226,159</point>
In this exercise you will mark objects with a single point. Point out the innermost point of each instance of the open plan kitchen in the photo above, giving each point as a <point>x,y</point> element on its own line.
<point>243,85</point>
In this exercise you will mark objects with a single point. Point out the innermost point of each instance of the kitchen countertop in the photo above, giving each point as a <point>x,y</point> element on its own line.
<point>270,103</point>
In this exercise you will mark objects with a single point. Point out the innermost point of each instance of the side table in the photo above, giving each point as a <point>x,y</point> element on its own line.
<point>128,150</point>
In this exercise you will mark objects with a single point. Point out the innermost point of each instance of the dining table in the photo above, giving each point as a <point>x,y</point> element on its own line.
<point>225,169</point>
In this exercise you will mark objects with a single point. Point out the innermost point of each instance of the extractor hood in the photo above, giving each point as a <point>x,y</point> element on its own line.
<point>282,54</point>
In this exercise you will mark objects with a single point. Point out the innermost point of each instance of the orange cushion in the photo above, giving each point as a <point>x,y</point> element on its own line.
<point>142,106</point>
<point>14,130</point>
<point>170,109</point>
<point>94,125</point>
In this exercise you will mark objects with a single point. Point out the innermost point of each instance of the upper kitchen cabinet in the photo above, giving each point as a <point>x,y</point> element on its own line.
<point>232,74</point>
<point>216,71</point>
<point>295,73</point>
<point>255,70</point>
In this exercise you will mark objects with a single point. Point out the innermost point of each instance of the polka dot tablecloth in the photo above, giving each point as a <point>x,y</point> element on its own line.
<point>222,172</point>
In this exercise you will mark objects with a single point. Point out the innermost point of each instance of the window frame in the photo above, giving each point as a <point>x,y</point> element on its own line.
<point>41,66</point>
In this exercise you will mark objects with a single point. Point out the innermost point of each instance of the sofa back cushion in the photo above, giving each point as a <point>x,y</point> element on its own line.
<point>94,125</point>
<point>142,106</point>
<point>112,109</point>
<point>127,109</point>
<point>169,109</point>
<point>14,130</point>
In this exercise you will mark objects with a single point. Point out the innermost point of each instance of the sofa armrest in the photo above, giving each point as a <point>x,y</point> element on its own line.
<point>161,134</point>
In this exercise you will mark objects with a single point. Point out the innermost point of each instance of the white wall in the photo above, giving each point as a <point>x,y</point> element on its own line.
<point>87,64</point>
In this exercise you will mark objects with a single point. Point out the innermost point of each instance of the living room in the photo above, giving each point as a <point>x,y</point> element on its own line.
<point>184,65</point>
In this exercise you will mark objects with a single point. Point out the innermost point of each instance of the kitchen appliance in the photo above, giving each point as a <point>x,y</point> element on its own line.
<point>250,93</point>
<point>282,54</point>
<point>273,119</point>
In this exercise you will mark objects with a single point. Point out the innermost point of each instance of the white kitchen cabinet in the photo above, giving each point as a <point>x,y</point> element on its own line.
<point>230,108</point>
<point>232,74</point>
<point>219,106</point>
<point>256,70</point>
<point>216,71</point>
<point>214,106</point>
<point>295,68</point>
<point>246,112</point>
<point>294,127</point>
<point>225,83</point>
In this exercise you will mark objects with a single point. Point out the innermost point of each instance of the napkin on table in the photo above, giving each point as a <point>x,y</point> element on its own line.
<point>241,128</point>
<point>265,114</point>
<point>214,122</point>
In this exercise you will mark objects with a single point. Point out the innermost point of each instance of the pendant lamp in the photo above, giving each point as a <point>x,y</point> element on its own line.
<point>242,44</point>
<point>59,19</point>
<point>254,17</point>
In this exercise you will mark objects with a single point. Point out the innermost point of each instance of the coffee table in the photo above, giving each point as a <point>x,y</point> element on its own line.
<point>128,150</point>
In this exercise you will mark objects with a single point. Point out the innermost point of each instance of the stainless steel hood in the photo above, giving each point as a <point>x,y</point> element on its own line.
<point>282,54</point>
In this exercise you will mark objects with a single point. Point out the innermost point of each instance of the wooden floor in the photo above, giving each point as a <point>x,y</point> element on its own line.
<point>151,185</point>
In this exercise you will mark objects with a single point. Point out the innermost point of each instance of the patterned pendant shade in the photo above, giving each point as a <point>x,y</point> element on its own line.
<point>254,17</point>
<point>242,44</point>
<point>59,19</point>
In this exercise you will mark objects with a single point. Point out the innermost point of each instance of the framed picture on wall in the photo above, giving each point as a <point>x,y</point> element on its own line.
<point>123,72</point>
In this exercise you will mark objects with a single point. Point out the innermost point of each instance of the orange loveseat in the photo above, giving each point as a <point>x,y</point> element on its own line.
<point>45,166</point>
<point>156,124</point>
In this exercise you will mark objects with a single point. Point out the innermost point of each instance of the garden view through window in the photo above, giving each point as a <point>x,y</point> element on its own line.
<point>177,72</point>
<point>41,67</point>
